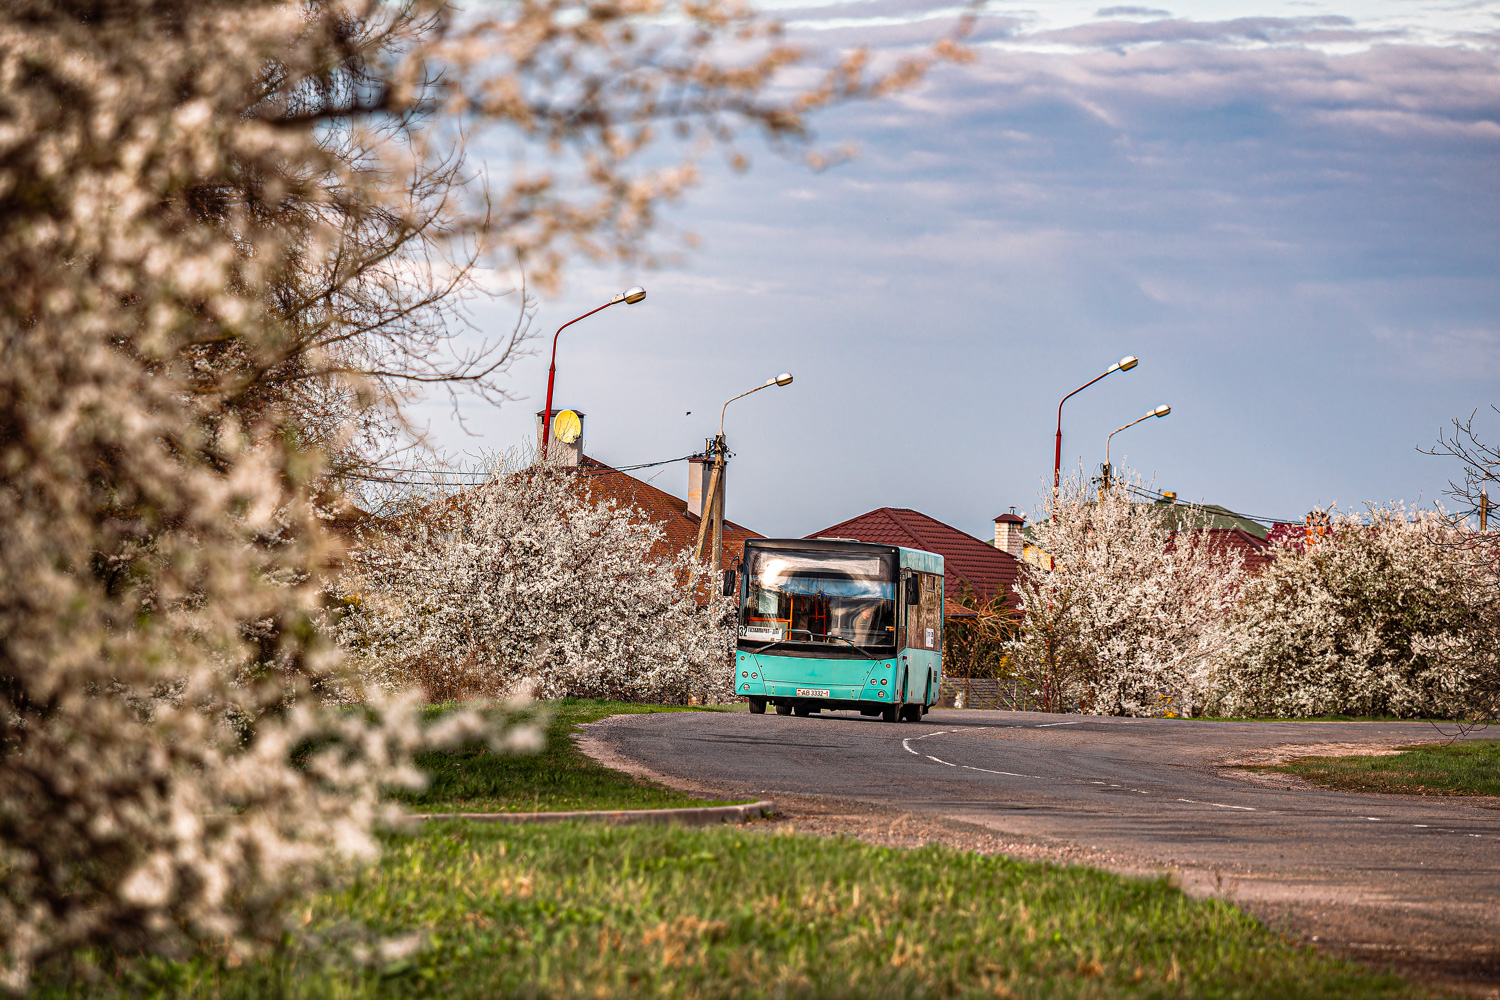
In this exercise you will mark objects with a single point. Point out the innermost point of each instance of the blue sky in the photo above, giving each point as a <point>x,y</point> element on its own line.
<point>1289,211</point>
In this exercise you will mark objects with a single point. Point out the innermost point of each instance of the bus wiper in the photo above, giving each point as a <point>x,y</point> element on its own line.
<point>863,649</point>
<point>809,641</point>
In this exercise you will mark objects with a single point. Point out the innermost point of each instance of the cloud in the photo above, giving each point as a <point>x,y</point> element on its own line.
<point>1131,12</point>
<point>1266,30</point>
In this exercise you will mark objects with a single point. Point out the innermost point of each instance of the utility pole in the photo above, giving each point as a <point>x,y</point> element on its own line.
<point>713,508</point>
<point>1484,510</point>
<point>713,504</point>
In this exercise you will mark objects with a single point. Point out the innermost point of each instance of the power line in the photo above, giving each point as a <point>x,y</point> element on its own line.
<point>441,477</point>
<point>1153,494</point>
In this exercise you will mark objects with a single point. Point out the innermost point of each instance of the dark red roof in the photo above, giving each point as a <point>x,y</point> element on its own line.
<point>1010,519</point>
<point>1256,551</point>
<point>966,559</point>
<point>679,528</point>
<point>1294,535</point>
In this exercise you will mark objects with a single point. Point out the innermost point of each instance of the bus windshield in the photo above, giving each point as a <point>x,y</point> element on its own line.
<point>842,598</point>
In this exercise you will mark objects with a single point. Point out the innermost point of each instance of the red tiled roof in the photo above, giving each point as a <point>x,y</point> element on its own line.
<point>966,559</point>
<point>1288,534</point>
<point>1255,550</point>
<point>679,528</point>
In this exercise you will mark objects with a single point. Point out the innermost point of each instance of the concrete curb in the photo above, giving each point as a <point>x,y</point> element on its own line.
<point>693,816</point>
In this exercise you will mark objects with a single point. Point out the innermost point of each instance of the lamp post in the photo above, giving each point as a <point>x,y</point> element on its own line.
<point>713,507</point>
<point>1123,365</point>
<point>630,296</point>
<point>1160,411</point>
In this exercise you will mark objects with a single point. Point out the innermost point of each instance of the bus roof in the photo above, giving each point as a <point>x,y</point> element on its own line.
<point>919,560</point>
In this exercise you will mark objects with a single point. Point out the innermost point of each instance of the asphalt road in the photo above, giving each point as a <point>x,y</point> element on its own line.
<point>1372,871</point>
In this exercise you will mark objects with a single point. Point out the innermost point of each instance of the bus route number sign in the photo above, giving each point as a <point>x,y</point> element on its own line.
<point>812,692</point>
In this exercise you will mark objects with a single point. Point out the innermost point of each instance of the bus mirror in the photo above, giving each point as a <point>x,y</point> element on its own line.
<point>913,591</point>
<point>729,583</point>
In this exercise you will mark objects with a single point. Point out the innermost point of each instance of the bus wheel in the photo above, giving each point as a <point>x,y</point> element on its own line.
<point>803,709</point>
<point>890,713</point>
<point>757,706</point>
<point>782,708</point>
<point>911,713</point>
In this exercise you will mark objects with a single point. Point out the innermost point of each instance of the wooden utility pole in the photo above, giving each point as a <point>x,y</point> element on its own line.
<point>712,538</point>
<point>1484,510</point>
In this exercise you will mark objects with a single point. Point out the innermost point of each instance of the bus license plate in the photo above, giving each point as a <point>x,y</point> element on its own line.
<point>812,692</point>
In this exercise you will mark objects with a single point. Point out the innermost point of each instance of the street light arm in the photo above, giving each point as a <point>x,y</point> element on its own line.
<point>552,369</point>
<point>1057,453</point>
<point>723,409</point>
<point>1160,411</point>
<point>1118,430</point>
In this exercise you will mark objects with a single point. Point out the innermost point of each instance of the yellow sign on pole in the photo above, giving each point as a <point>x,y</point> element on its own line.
<point>567,426</point>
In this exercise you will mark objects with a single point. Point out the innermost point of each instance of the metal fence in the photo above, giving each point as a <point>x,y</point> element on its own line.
<point>986,692</point>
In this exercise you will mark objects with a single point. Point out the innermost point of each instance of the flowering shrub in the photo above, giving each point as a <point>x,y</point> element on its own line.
<point>1130,615</point>
<point>1385,615</point>
<point>233,234</point>
<point>528,580</point>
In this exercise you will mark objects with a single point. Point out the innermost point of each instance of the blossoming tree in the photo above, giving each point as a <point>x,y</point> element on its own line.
<point>1384,615</point>
<point>234,234</point>
<point>1128,616</point>
<point>529,580</point>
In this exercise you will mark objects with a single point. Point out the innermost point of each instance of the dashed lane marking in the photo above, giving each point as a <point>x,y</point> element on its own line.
<point>1219,805</point>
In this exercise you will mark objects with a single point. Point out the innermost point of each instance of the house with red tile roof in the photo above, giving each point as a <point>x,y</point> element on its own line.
<point>968,562</point>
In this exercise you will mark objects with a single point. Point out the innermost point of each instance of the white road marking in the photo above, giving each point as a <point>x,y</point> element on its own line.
<point>1219,805</point>
<point>1009,774</point>
<point>1051,724</point>
<point>907,742</point>
<point>1420,826</point>
<point>931,757</point>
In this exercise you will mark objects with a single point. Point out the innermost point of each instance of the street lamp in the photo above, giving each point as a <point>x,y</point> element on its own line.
<point>1160,411</point>
<point>713,506</point>
<point>1123,365</point>
<point>785,378</point>
<point>630,296</point>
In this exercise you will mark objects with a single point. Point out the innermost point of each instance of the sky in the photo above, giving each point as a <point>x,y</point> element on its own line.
<point>1287,210</point>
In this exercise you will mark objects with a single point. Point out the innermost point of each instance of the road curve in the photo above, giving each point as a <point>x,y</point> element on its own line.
<point>1159,791</point>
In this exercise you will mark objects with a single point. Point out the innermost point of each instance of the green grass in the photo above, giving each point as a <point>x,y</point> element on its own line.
<point>1470,767</point>
<point>560,777</point>
<point>580,910</point>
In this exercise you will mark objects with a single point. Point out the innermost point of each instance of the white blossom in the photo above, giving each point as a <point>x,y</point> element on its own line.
<point>1127,618</point>
<point>1384,615</point>
<point>529,579</point>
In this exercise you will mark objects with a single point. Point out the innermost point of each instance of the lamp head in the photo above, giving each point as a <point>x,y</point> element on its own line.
<point>1161,411</point>
<point>1128,362</point>
<point>630,296</point>
<point>785,378</point>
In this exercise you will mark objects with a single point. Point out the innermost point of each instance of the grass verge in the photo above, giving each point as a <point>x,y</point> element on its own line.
<point>1469,767</point>
<point>580,910</point>
<point>559,777</point>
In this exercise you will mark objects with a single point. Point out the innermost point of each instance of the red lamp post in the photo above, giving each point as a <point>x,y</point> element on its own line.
<point>630,296</point>
<point>1123,365</point>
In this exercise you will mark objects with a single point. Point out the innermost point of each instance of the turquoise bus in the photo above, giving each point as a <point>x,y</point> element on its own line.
<point>840,625</point>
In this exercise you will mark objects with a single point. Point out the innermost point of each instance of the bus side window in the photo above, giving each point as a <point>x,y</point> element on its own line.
<point>932,607</point>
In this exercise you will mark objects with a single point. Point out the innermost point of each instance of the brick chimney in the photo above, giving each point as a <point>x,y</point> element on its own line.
<point>1008,532</point>
<point>570,453</point>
